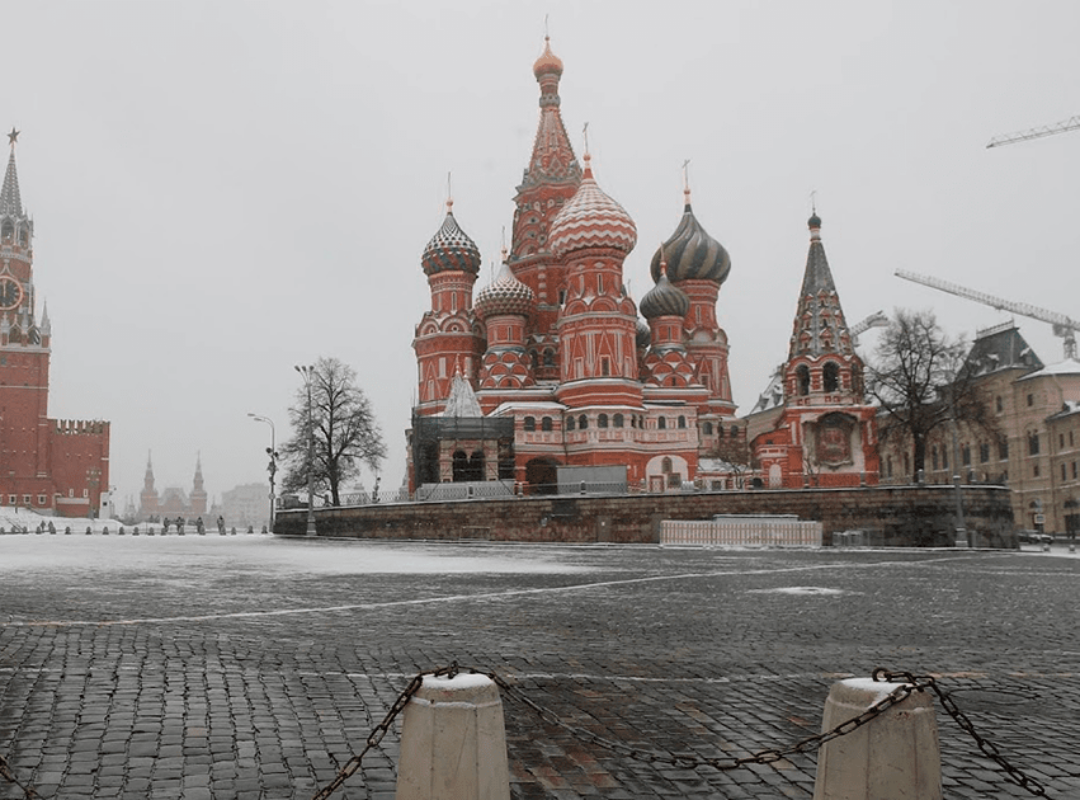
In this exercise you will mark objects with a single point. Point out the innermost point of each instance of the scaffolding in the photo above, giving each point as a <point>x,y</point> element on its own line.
<point>429,432</point>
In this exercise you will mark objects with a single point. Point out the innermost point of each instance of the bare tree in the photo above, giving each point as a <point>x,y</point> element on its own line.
<point>919,380</point>
<point>343,428</point>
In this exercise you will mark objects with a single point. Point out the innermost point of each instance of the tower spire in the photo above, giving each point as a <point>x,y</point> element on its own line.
<point>10,201</point>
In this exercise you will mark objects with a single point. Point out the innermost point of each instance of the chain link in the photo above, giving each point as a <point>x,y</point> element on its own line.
<point>911,683</point>
<point>9,776</point>
<point>988,748</point>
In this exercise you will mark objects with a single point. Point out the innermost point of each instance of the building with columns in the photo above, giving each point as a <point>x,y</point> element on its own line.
<point>48,465</point>
<point>550,365</point>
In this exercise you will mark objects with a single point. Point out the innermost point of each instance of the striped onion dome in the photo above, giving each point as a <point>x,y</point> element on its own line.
<point>664,300</point>
<point>591,219</point>
<point>505,295</point>
<point>450,249</point>
<point>643,335</point>
<point>691,253</point>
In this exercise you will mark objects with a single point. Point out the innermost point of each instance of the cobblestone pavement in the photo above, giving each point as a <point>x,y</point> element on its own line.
<point>252,667</point>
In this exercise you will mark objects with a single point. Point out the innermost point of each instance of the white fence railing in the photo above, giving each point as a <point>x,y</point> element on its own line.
<point>745,531</point>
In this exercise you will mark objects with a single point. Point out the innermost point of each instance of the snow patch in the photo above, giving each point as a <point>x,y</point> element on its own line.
<point>800,590</point>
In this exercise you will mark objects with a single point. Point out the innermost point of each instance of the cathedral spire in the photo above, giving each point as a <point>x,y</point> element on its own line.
<point>552,158</point>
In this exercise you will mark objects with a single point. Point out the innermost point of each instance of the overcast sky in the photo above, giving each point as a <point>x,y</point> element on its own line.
<point>222,190</point>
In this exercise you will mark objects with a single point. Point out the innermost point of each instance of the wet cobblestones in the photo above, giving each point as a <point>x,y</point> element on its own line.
<point>244,668</point>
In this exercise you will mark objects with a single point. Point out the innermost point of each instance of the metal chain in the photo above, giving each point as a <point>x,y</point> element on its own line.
<point>988,748</point>
<point>911,683</point>
<point>9,776</point>
<point>380,730</point>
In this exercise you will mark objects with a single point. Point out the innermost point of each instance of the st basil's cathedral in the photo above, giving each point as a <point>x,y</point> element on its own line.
<point>550,366</point>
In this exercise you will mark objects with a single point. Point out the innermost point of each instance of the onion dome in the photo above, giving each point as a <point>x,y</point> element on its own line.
<point>505,295</point>
<point>643,336</point>
<point>591,219</point>
<point>691,253</point>
<point>450,249</point>
<point>548,63</point>
<point>814,222</point>
<point>664,300</point>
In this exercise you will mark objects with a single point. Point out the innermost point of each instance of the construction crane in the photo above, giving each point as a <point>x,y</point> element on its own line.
<point>1070,124</point>
<point>1064,326</point>
<point>875,320</point>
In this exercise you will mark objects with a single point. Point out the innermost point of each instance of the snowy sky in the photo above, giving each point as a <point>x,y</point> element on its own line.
<point>222,190</point>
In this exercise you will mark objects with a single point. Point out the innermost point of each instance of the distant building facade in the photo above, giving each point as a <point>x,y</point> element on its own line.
<point>1034,446</point>
<point>173,501</point>
<point>49,465</point>
<point>247,505</point>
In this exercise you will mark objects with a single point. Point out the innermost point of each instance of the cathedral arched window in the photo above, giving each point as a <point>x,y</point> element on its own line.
<point>619,420</point>
<point>830,376</point>
<point>706,428</point>
<point>665,465</point>
<point>802,378</point>
<point>7,230</point>
<point>24,236</point>
<point>602,421</point>
<point>569,423</point>
<point>661,423</point>
<point>734,431</point>
<point>530,423</point>
<point>549,358</point>
<point>682,421</point>
<point>545,423</point>
<point>583,422</point>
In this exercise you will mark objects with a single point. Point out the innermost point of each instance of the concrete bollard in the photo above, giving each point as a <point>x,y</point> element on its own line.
<point>895,756</point>
<point>453,742</point>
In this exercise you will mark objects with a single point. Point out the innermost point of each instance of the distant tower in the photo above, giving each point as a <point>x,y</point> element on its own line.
<point>826,434</point>
<point>549,181</point>
<point>148,497</point>
<point>198,493</point>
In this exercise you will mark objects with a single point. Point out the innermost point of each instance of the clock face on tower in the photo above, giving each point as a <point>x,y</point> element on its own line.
<point>10,293</point>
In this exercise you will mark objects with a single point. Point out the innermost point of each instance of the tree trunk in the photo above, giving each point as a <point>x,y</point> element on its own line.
<point>919,457</point>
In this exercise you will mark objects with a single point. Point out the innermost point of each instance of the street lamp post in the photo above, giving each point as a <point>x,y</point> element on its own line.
<point>272,468</point>
<point>309,373</point>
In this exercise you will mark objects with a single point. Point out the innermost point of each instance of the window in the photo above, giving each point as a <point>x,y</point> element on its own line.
<point>998,404</point>
<point>661,423</point>
<point>619,420</point>
<point>545,423</point>
<point>41,498</point>
<point>569,423</point>
<point>734,431</point>
<point>583,422</point>
<point>984,453</point>
<point>13,499</point>
<point>965,455</point>
<point>605,366</point>
<point>1033,444</point>
<point>26,498</point>
<point>944,458</point>
<point>1061,441</point>
<point>1003,449</point>
<point>1031,400</point>
<point>530,423</point>
<point>665,465</point>
<point>1035,470</point>
<point>802,378</point>
<point>549,358</point>
<point>1074,470</point>
<point>1063,475</point>
<point>682,421</point>
<point>888,466</point>
<point>601,421</point>
<point>830,376</point>
<point>706,428</point>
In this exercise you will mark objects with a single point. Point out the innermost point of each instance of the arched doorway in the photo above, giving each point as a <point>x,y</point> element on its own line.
<point>542,475</point>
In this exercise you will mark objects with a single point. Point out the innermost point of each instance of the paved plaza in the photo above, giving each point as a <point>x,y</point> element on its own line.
<point>246,667</point>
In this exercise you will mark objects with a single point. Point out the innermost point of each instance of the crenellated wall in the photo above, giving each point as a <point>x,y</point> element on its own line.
<point>893,516</point>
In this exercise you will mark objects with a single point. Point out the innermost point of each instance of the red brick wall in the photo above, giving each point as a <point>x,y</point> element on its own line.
<point>899,516</point>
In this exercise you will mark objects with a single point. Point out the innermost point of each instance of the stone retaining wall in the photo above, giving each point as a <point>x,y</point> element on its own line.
<point>891,516</point>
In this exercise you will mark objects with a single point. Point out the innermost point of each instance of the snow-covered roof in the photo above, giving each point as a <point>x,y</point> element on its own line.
<point>1070,366</point>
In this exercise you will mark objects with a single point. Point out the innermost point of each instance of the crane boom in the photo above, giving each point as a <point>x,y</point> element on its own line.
<point>1064,326</point>
<point>1070,124</point>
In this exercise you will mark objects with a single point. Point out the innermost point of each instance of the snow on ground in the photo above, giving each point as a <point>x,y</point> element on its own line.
<point>17,519</point>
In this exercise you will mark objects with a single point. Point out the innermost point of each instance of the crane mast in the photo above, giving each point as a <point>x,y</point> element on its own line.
<point>1070,124</point>
<point>1063,326</point>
